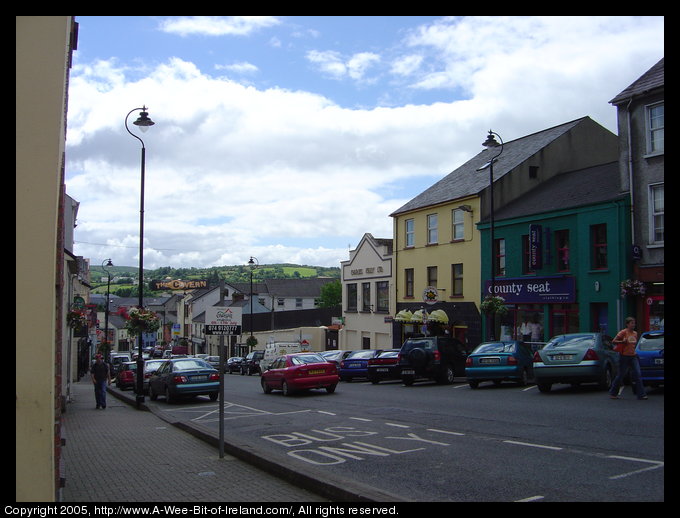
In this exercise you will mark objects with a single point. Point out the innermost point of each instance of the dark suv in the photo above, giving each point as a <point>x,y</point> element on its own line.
<point>440,358</point>
<point>251,363</point>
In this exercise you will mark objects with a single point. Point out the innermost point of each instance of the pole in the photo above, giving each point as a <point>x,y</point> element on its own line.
<point>140,341</point>
<point>492,316</point>
<point>221,367</point>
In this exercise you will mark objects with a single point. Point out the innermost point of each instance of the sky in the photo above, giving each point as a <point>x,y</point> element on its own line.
<point>287,138</point>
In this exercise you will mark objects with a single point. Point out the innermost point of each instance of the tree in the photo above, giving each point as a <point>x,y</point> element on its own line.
<point>331,294</point>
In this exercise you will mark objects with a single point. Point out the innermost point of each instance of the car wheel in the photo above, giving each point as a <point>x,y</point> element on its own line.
<point>447,376</point>
<point>331,388</point>
<point>286,389</point>
<point>213,396</point>
<point>152,395</point>
<point>544,387</point>
<point>473,384</point>
<point>606,379</point>
<point>266,388</point>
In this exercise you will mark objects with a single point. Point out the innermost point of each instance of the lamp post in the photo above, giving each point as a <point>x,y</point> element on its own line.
<point>144,123</point>
<point>252,264</point>
<point>492,143</point>
<point>106,267</point>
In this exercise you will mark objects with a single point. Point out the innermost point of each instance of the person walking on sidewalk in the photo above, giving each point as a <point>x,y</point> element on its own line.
<point>101,377</point>
<point>625,342</point>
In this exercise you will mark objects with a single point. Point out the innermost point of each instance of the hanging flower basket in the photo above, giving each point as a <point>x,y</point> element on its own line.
<point>76,319</point>
<point>632,287</point>
<point>493,304</point>
<point>142,320</point>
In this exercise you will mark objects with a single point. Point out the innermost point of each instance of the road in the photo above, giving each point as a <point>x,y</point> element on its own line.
<point>434,442</point>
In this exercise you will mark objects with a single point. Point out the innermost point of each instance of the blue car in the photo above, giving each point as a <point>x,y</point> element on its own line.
<point>356,364</point>
<point>650,351</point>
<point>184,377</point>
<point>499,361</point>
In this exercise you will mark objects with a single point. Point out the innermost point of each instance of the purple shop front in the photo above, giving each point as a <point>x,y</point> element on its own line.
<point>535,290</point>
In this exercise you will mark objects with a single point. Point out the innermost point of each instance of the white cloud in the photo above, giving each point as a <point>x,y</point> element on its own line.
<point>335,65</point>
<point>217,25</point>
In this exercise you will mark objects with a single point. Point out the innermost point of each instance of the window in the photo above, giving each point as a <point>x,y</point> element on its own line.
<point>457,280</point>
<point>655,128</point>
<point>499,257</point>
<point>298,303</point>
<point>382,289</point>
<point>562,244</point>
<point>365,296</point>
<point>280,302</point>
<point>656,214</point>
<point>458,222</point>
<point>410,234</point>
<point>432,276</point>
<point>598,239</point>
<point>432,233</point>
<point>352,297</point>
<point>408,279</point>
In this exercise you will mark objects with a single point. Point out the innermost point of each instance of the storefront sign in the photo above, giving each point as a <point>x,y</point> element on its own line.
<point>178,285</point>
<point>535,247</point>
<point>534,290</point>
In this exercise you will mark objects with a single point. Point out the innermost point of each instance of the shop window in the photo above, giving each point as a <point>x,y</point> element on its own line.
<point>383,296</point>
<point>365,296</point>
<point>499,257</point>
<point>564,319</point>
<point>526,251</point>
<point>408,280</point>
<point>352,297</point>
<point>457,280</point>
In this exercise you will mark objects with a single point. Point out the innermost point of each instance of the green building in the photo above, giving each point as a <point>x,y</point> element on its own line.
<point>561,252</point>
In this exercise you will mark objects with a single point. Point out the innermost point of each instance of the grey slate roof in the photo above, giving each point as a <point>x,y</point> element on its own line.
<point>587,186</point>
<point>653,78</point>
<point>285,287</point>
<point>468,181</point>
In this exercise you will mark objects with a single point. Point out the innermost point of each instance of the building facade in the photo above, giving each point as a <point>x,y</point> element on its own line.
<point>640,112</point>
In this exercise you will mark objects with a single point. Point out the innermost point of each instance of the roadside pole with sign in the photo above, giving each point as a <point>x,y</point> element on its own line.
<point>222,321</point>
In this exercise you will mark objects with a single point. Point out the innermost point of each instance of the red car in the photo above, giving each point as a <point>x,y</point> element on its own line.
<point>126,375</point>
<point>299,371</point>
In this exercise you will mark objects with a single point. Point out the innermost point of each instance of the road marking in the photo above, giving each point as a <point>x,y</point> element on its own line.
<point>657,465</point>
<point>532,387</point>
<point>324,412</point>
<point>531,498</point>
<point>361,419</point>
<point>397,425</point>
<point>519,443</point>
<point>444,431</point>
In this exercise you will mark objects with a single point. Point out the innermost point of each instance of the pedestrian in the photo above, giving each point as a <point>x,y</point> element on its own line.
<point>625,342</point>
<point>101,377</point>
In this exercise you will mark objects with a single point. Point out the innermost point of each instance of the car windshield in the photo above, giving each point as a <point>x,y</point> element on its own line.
<point>306,358</point>
<point>496,347</point>
<point>152,366</point>
<point>575,341</point>
<point>361,354</point>
<point>190,364</point>
<point>651,342</point>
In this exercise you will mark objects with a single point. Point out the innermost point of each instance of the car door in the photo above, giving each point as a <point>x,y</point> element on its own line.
<point>275,374</point>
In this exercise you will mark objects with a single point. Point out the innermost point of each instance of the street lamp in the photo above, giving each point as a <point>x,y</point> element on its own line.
<point>144,123</point>
<point>252,264</point>
<point>491,143</point>
<point>106,268</point>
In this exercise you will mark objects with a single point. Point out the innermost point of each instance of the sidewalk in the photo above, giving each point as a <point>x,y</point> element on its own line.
<point>122,454</point>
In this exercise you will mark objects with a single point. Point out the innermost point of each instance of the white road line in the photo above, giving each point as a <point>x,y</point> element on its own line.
<point>444,431</point>
<point>398,425</point>
<point>543,446</point>
<point>532,387</point>
<point>461,386</point>
<point>361,419</point>
<point>531,498</point>
<point>657,465</point>
<point>324,412</point>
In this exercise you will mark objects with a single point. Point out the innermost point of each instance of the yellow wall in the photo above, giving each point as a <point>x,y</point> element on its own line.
<point>442,255</point>
<point>42,44</point>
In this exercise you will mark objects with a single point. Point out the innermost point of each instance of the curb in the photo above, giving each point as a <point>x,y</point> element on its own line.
<point>324,484</point>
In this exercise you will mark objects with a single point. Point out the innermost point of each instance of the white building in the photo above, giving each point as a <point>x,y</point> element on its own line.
<point>366,295</point>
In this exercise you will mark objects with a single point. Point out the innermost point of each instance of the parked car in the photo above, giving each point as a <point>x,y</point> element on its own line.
<point>356,364</point>
<point>498,362</point>
<point>251,363</point>
<point>214,361</point>
<point>385,366</point>
<point>440,358</point>
<point>651,354</point>
<point>184,377</point>
<point>335,356</point>
<point>300,371</point>
<point>150,367</point>
<point>233,364</point>
<point>576,358</point>
<point>125,378</point>
<point>117,359</point>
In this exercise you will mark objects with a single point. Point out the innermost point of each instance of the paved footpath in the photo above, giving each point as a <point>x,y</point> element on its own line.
<point>122,454</point>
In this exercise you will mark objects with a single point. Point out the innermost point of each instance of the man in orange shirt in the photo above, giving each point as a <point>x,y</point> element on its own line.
<point>626,340</point>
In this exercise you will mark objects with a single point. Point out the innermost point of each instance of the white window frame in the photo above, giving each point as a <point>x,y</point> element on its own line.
<point>457,225</point>
<point>432,229</point>
<point>410,232</point>
<point>654,212</point>
<point>649,131</point>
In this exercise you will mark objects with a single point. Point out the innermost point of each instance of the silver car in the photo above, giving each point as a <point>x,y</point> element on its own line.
<point>576,358</point>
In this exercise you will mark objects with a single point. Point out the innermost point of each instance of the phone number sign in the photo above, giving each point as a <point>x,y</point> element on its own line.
<point>223,321</point>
